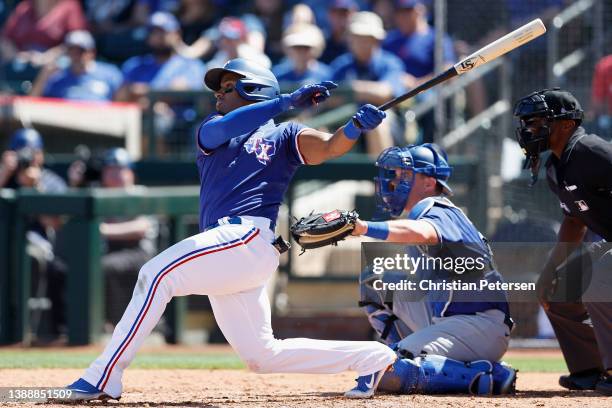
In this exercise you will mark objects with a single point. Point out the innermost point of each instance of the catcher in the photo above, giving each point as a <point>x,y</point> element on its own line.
<point>451,341</point>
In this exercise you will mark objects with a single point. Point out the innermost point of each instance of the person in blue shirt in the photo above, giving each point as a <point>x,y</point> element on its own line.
<point>451,326</point>
<point>414,42</point>
<point>83,78</point>
<point>339,15</point>
<point>371,72</point>
<point>302,44</point>
<point>245,161</point>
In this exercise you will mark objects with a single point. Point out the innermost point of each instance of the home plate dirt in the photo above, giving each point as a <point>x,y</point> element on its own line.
<point>240,388</point>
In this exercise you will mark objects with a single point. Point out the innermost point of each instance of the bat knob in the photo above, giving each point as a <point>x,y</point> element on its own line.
<point>356,123</point>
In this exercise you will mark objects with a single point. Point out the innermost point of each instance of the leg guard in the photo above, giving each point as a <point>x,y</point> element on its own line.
<point>383,321</point>
<point>439,375</point>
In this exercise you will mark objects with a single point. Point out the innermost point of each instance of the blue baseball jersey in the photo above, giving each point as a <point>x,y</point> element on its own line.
<point>383,66</point>
<point>98,83</point>
<point>417,50</point>
<point>248,175</point>
<point>458,237</point>
<point>185,72</point>
<point>317,72</point>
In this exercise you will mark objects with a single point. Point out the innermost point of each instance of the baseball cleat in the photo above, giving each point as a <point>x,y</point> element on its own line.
<point>366,385</point>
<point>584,380</point>
<point>504,379</point>
<point>84,391</point>
<point>605,386</point>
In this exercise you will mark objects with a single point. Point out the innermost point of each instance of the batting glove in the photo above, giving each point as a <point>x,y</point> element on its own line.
<point>368,117</point>
<point>308,95</point>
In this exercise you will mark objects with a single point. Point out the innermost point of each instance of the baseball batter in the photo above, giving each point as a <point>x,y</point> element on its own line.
<point>450,327</point>
<point>246,162</point>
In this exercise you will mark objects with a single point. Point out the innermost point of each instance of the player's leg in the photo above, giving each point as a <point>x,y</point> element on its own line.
<point>226,259</point>
<point>484,336</point>
<point>598,302</point>
<point>245,320</point>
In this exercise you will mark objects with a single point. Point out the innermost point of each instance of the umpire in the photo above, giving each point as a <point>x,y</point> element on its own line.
<point>579,172</point>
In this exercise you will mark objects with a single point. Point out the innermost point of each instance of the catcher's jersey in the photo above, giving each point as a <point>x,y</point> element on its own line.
<point>249,174</point>
<point>458,238</point>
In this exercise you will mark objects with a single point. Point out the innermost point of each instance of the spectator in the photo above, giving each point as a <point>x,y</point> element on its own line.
<point>107,16</point>
<point>163,69</point>
<point>129,242</point>
<point>303,44</point>
<point>22,167</point>
<point>372,73</point>
<point>414,42</point>
<point>601,96</point>
<point>196,16</point>
<point>339,15</point>
<point>232,43</point>
<point>84,78</point>
<point>144,9</point>
<point>270,14</point>
<point>23,164</point>
<point>36,27</point>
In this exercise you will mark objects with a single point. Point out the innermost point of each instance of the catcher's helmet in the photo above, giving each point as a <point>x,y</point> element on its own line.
<point>256,83</point>
<point>23,138</point>
<point>393,187</point>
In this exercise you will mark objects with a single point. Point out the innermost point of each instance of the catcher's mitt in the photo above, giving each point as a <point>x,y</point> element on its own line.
<point>321,229</point>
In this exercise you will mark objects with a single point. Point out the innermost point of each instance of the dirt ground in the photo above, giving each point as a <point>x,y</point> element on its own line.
<point>239,388</point>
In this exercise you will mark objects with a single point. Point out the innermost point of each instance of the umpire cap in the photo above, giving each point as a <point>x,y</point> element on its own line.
<point>552,103</point>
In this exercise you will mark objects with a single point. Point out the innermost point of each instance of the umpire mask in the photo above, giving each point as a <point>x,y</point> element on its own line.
<point>536,113</point>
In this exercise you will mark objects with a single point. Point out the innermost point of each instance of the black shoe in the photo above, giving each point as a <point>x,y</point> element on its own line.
<point>605,386</point>
<point>584,380</point>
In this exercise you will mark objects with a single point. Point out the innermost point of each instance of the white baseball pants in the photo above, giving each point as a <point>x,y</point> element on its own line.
<point>231,264</point>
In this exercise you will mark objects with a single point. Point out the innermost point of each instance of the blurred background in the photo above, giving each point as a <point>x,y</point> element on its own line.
<point>100,99</point>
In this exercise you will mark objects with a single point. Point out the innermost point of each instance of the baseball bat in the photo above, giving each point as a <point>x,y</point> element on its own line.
<point>497,48</point>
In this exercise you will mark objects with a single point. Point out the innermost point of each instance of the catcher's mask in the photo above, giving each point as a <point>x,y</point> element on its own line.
<point>536,113</point>
<point>397,171</point>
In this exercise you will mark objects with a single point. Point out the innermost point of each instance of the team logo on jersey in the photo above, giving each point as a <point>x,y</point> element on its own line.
<point>582,205</point>
<point>261,148</point>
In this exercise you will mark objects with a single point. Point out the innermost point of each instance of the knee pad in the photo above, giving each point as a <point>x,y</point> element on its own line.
<point>383,321</point>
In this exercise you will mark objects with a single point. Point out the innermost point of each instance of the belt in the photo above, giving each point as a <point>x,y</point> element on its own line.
<point>279,243</point>
<point>224,221</point>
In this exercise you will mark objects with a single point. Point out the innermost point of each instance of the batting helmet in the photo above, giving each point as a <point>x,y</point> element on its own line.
<point>256,83</point>
<point>23,138</point>
<point>550,104</point>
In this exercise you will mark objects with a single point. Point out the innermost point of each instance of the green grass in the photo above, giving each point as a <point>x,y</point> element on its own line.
<point>79,359</point>
<point>72,359</point>
<point>537,365</point>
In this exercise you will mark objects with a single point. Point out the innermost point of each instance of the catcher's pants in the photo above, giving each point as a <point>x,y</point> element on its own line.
<point>230,264</point>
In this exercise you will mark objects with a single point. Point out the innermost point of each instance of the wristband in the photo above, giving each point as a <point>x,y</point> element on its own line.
<point>351,131</point>
<point>378,230</point>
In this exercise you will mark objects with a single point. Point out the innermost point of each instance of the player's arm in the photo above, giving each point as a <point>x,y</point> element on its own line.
<point>221,128</point>
<point>405,231</point>
<point>317,147</point>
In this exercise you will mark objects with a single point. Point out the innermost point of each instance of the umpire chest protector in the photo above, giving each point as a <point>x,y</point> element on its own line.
<point>582,180</point>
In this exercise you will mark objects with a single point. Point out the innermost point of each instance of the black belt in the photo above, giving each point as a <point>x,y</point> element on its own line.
<point>279,243</point>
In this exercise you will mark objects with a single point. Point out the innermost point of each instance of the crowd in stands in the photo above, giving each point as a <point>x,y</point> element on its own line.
<point>118,50</point>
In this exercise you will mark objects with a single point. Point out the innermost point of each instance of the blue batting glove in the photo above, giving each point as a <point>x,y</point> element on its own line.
<point>368,117</point>
<point>309,95</point>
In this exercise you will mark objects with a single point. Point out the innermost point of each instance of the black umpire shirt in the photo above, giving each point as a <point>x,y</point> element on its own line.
<point>582,179</point>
